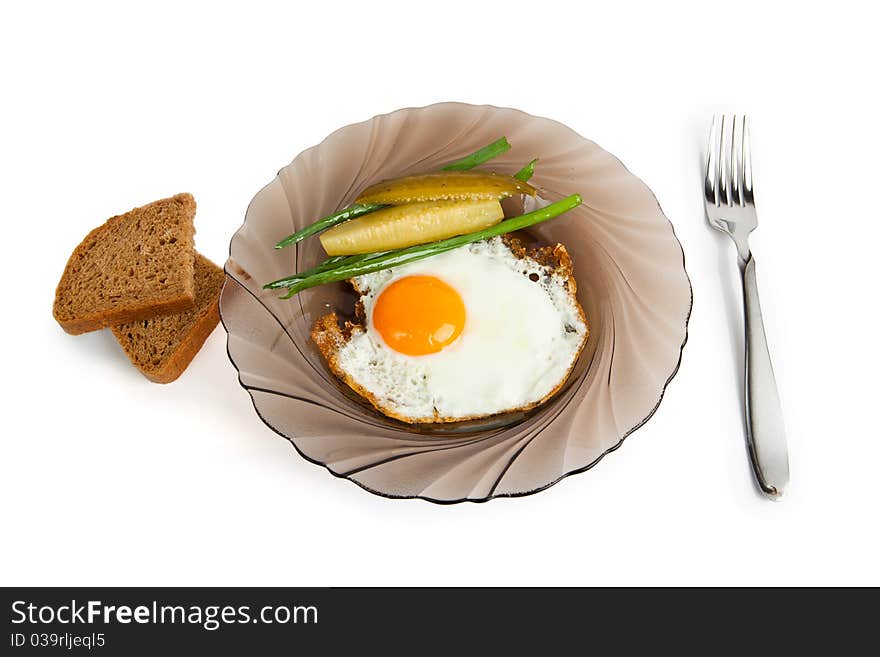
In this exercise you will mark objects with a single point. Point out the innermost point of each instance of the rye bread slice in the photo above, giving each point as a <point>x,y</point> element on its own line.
<point>331,336</point>
<point>162,347</point>
<point>137,265</point>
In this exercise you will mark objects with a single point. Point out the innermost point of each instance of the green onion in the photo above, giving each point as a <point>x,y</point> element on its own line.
<point>378,262</point>
<point>327,265</point>
<point>476,158</point>
<point>479,157</point>
<point>331,220</point>
<point>527,171</point>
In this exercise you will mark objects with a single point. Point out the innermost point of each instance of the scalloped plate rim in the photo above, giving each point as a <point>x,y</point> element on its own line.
<point>491,496</point>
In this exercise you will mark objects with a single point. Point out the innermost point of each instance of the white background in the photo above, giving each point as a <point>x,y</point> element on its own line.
<point>107,479</point>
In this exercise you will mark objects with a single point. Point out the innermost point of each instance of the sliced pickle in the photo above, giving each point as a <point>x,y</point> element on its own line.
<point>400,226</point>
<point>445,186</point>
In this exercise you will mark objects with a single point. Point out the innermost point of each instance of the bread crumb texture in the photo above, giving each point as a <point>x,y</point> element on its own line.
<point>162,347</point>
<point>134,267</point>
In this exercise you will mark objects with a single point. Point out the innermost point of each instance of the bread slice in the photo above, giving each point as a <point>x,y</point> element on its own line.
<point>137,265</point>
<point>331,335</point>
<point>162,347</point>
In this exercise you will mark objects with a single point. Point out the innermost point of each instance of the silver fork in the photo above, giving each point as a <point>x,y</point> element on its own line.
<point>730,208</point>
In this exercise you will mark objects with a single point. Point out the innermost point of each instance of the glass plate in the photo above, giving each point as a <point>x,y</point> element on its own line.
<point>631,281</point>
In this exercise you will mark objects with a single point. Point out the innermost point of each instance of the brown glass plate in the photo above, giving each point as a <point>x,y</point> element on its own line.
<point>631,282</point>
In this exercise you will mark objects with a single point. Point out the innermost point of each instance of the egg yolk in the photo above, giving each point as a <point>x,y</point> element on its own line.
<point>418,315</point>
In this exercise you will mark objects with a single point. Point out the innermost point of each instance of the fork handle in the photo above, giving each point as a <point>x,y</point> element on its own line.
<point>764,427</point>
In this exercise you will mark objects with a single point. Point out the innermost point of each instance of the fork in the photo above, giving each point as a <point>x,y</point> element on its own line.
<point>730,208</point>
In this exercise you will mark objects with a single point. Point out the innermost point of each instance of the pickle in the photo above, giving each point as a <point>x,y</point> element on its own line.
<point>445,186</point>
<point>400,226</point>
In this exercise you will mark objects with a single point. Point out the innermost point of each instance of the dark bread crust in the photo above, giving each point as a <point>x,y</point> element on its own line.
<point>183,356</point>
<point>330,336</point>
<point>163,347</point>
<point>103,319</point>
<point>135,266</point>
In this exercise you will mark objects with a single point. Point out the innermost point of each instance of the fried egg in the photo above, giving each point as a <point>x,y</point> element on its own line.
<point>480,330</point>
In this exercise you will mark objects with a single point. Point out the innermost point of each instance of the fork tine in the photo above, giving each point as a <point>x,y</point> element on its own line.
<point>724,162</point>
<point>710,186</point>
<point>748,195</point>
<point>736,161</point>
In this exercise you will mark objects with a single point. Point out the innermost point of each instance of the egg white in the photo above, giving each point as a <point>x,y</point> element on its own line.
<point>520,338</point>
